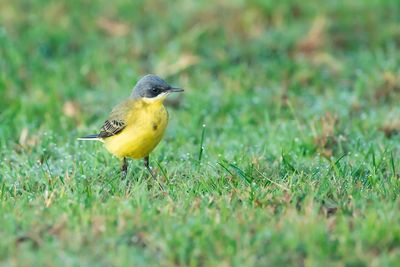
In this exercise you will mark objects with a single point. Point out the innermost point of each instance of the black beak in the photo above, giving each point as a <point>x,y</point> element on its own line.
<point>175,89</point>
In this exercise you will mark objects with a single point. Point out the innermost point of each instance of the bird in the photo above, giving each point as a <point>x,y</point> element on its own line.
<point>136,126</point>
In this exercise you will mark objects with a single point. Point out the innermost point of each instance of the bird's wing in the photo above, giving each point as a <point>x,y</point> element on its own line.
<point>111,127</point>
<point>116,122</point>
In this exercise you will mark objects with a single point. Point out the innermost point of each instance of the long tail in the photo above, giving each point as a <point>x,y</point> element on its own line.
<point>91,137</point>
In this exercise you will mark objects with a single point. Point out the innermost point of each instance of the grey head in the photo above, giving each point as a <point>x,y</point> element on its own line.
<point>151,86</point>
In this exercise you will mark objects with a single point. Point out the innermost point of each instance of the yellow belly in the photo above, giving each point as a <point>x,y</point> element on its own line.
<point>145,128</point>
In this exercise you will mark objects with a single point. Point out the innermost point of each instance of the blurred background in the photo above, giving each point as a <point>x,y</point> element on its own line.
<point>301,106</point>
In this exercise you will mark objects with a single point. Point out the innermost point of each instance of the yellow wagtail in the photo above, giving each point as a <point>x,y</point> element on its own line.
<point>135,127</point>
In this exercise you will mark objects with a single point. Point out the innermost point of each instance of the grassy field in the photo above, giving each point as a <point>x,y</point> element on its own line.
<point>297,164</point>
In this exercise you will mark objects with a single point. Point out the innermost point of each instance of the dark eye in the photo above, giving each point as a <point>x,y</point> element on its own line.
<point>155,89</point>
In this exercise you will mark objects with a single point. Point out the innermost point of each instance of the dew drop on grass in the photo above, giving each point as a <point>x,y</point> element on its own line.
<point>363,116</point>
<point>255,100</point>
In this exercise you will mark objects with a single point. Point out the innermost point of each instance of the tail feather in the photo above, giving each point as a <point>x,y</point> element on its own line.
<point>90,137</point>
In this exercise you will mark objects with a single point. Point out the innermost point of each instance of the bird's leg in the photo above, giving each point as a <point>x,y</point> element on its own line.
<point>124,168</point>
<point>147,165</point>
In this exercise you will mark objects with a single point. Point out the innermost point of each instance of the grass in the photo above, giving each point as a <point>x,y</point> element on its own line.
<point>297,164</point>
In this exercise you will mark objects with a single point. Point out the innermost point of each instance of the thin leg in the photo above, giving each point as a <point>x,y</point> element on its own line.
<point>147,165</point>
<point>124,168</point>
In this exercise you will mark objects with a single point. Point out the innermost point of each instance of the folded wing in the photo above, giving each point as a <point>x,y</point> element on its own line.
<point>116,122</point>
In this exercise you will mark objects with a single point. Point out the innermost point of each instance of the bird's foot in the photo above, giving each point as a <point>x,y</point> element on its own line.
<point>147,165</point>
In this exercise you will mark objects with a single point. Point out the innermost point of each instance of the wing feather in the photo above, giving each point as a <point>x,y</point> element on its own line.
<point>111,127</point>
<point>116,122</point>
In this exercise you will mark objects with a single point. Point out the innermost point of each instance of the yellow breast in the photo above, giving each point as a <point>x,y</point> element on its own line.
<point>146,124</point>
